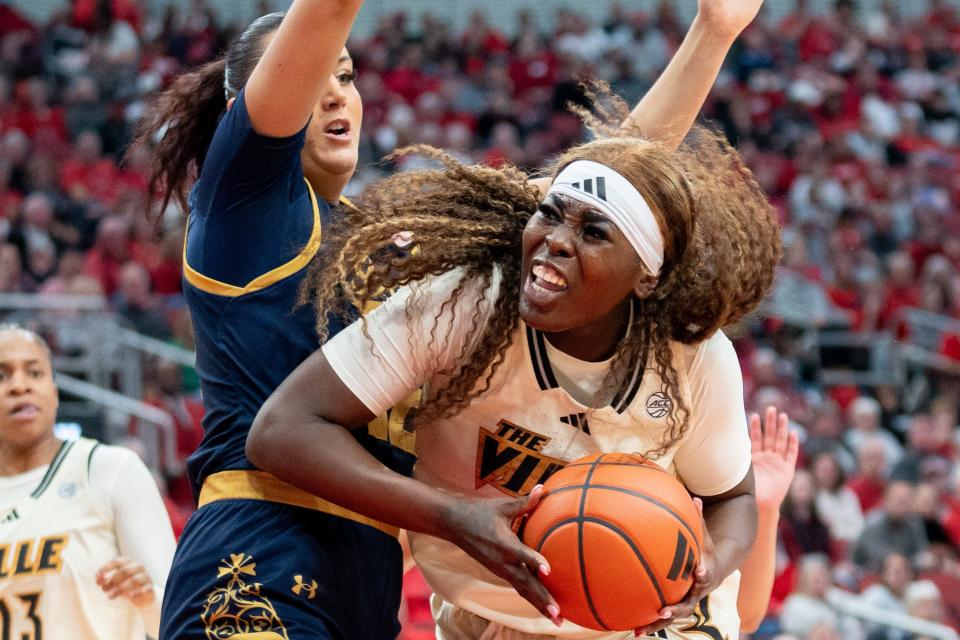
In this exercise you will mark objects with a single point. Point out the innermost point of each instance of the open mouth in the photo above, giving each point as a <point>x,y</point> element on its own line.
<point>338,129</point>
<point>546,277</point>
<point>24,410</point>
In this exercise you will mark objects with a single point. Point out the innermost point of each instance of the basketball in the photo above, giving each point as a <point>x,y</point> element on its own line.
<point>622,537</point>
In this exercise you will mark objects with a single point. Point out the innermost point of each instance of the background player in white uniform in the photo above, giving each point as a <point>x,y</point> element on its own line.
<point>85,542</point>
<point>595,332</point>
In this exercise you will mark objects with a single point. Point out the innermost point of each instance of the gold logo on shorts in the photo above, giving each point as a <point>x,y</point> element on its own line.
<point>299,586</point>
<point>237,608</point>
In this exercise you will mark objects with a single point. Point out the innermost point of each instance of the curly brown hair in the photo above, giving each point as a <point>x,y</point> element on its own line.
<point>722,243</point>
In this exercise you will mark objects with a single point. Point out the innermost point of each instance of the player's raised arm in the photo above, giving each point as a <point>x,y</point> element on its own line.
<point>670,107</point>
<point>289,79</point>
<point>668,110</point>
<point>774,453</point>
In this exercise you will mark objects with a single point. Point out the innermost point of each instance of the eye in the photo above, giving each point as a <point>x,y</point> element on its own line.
<point>347,77</point>
<point>596,232</point>
<point>549,213</point>
<point>35,373</point>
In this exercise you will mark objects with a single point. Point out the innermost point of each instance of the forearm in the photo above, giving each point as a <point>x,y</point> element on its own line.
<point>757,572</point>
<point>671,106</point>
<point>732,524</point>
<point>325,460</point>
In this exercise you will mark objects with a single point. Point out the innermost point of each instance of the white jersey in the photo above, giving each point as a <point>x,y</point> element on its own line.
<point>52,543</point>
<point>527,425</point>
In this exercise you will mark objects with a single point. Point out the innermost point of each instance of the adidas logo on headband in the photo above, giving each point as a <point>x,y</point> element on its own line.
<point>588,186</point>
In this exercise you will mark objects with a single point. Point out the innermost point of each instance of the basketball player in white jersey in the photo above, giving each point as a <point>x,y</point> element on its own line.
<point>85,542</point>
<point>546,331</point>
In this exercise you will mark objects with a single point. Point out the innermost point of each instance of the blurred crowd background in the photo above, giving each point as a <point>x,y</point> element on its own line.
<point>849,118</point>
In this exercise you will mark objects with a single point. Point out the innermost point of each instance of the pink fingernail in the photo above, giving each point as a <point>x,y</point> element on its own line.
<point>554,612</point>
<point>666,615</point>
<point>544,569</point>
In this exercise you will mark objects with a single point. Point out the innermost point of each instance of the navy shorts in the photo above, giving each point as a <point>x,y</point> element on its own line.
<point>257,569</point>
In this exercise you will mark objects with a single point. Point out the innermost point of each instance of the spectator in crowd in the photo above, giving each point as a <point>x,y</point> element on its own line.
<point>870,482</point>
<point>897,528</point>
<point>801,530</point>
<point>825,436</point>
<point>864,419</point>
<point>888,592</point>
<point>924,601</point>
<point>808,606</point>
<point>837,505</point>
<point>137,305</point>
<point>926,442</point>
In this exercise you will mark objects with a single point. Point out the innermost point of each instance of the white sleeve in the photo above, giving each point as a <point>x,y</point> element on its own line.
<point>714,455</point>
<point>129,494</point>
<point>402,353</point>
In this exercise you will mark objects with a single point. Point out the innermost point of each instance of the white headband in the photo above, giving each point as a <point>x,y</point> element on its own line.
<point>600,186</point>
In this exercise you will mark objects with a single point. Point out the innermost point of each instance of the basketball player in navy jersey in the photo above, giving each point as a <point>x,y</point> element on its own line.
<point>270,133</point>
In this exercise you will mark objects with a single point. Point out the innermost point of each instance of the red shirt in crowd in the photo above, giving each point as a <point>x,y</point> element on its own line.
<point>95,181</point>
<point>869,491</point>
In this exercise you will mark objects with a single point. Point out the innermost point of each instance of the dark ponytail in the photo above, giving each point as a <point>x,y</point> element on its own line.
<point>180,125</point>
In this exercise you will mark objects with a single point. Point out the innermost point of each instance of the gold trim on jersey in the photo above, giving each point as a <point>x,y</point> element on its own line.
<point>216,287</point>
<point>259,485</point>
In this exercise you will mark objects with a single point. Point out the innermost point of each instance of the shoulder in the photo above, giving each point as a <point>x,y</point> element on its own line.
<point>714,356</point>
<point>110,456</point>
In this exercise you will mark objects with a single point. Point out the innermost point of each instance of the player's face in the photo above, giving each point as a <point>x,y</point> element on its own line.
<point>333,135</point>
<point>579,270</point>
<point>29,396</point>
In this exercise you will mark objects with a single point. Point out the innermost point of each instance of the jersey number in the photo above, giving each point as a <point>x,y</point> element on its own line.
<point>701,623</point>
<point>31,600</point>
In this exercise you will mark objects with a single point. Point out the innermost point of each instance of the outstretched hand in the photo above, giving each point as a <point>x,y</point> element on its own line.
<point>728,18</point>
<point>487,530</point>
<point>774,451</point>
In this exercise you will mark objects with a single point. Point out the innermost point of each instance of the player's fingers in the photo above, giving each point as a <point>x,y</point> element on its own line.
<point>522,507</point>
<point>127,588</point>
<point>782,428</point>
<point>756,434</point>
<point>770,428</point>
<point>793,449</point>
<point>120,573</point>
<point>664,621</point>
<point>533,560</point>
<point>533,591</point>
<point>106,570</point>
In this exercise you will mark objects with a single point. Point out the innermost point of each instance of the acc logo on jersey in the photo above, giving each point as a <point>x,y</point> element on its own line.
<point>67,490</point>
<point>658,405</point>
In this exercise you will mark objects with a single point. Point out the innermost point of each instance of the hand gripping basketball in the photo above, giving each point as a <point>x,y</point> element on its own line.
<point>624,539</point>
<point>704,581</point>
<point>486,530</point>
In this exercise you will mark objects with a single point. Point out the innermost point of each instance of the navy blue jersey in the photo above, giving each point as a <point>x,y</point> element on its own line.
<point>254,226</point>
<point>259,555</point>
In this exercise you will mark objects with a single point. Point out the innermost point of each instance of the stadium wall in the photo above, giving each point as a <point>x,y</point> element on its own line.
<point>501,13</point>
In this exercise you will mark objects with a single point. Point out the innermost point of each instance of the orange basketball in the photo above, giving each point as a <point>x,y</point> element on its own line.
<point>622,537</point>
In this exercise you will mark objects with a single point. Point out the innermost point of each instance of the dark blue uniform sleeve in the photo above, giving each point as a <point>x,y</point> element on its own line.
<point>250,209</point>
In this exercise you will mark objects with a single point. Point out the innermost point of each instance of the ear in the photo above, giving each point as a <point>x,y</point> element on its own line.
<point>644,284</point>
<point>230,103</point>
